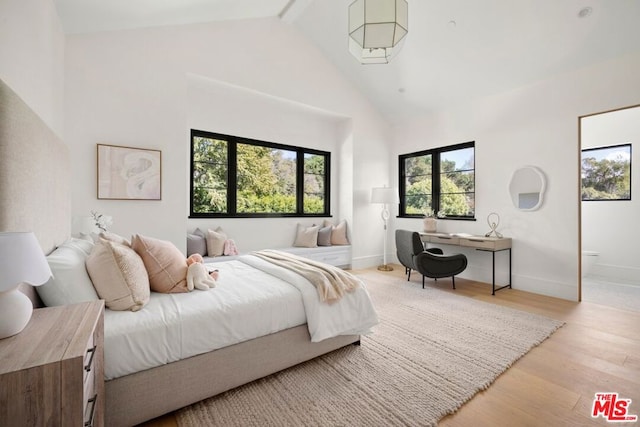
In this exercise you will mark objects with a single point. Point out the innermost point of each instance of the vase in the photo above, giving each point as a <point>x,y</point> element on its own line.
<point>430,225</point>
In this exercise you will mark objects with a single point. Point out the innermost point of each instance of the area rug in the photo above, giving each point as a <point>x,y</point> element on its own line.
<point>432,351</point>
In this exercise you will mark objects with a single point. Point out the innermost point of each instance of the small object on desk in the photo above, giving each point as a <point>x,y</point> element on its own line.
<point>493,219</point>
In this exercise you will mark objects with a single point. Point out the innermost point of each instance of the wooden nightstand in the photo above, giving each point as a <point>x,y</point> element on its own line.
<point>52,372</point>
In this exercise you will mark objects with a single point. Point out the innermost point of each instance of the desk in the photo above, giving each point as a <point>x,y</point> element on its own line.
<point>479,243</point>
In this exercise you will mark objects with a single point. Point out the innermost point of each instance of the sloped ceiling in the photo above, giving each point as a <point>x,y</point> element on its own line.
<point>456,50</point>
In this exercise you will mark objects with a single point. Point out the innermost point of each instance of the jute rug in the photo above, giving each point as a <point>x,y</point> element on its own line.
<point>431,352</point>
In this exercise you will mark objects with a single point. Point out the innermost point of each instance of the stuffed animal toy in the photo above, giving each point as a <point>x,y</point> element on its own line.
<point>198,276</point>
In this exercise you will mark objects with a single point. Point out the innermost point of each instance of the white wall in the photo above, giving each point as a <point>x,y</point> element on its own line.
<point>137,88</point>
<point>534,125</point>
<point>610,228</point>
<point>32,56</point>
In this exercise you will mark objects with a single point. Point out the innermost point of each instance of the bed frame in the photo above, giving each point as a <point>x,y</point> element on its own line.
<point>34,176</point>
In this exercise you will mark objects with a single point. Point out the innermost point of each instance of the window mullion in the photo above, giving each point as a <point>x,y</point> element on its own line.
<point>232,174</point>
<point>435,181</point>
<point>300,182</point>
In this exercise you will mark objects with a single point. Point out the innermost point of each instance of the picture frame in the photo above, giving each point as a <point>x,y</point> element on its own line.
<point>606,173</point>
<point>128,173</point>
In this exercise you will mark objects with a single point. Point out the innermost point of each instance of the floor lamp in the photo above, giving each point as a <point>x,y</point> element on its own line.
<point>384,196</point>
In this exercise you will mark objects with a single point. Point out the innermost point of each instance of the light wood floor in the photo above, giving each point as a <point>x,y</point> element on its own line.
<point>597,350</point>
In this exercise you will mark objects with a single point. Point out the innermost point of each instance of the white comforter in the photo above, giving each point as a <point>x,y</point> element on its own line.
<point>253,298</point>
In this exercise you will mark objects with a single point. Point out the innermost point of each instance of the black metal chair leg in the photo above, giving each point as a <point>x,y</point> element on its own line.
<point>453,279</point>
<point>408,274</point>
<point>422,282</point>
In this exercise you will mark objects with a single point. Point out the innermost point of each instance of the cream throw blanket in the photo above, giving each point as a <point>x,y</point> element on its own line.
<point>331,282</point>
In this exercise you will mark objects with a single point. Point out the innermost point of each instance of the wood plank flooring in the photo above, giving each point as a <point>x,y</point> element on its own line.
<point>597,350</point>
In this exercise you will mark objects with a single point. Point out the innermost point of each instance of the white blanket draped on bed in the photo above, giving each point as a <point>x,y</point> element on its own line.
<point>352,314</point>
<point>253,298</point>
<point>330,281</point>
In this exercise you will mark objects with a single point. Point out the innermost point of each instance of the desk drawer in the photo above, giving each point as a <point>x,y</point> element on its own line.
<point>477,243</point>
<point>490,243</point>
<point>444,240</point>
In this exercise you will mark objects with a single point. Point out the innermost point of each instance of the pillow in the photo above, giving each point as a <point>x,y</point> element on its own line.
<point>113,237</point>
<point>215,241</point>
<point>196,243</point>
<point>324,236</point>
<point>165,264</point>
<point>70,283</point>
<point>119,276</point>
<point>306,237</point>
<point>81,244</point>
<point>338,232</point>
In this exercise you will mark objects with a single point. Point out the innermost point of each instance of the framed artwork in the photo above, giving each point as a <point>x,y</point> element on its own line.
<point>606,173</point>
<point>127,173</point>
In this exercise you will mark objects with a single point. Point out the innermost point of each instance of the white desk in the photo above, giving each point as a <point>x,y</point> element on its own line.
<point>480,243</point>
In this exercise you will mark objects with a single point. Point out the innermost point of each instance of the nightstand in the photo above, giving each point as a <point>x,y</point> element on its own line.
<point>52,372</point>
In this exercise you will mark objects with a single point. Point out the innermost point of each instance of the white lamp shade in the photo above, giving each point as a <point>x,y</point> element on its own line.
<point>384,195</point>
<point>21,261</point>
<point>376,28</point>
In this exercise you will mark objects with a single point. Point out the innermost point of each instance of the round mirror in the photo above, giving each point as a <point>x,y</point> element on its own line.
<point>527,188</point>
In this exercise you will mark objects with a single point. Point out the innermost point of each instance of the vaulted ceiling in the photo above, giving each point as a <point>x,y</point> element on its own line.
<point>455,50</point>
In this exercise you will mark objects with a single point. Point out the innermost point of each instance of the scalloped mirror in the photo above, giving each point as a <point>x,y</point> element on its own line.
<point>527,188</point>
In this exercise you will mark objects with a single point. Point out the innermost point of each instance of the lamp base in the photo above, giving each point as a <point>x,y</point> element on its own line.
<point>15,312</point>
<point>385,267</point>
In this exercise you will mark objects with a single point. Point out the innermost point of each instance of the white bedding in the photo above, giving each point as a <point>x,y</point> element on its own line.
<point>252,298</point>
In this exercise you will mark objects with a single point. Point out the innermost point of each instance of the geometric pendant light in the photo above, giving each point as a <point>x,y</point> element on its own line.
<point>376,28</point>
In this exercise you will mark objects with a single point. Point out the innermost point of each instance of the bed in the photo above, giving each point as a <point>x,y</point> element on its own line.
<point>34,167</point>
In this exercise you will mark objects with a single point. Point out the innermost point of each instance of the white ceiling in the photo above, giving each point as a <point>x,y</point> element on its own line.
<point>494,46</point>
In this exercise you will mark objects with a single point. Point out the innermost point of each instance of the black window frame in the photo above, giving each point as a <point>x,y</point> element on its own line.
<point>608,147</point>
<point>435,179</point>
<point>232,142</point>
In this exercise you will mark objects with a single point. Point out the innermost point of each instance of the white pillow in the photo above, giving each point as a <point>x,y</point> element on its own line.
<point>306,237</point>
<point>119,276</point>
<point>215,241</point>
<point>70,283</point>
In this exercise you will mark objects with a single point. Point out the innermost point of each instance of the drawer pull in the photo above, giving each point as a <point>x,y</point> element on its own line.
<point>443,237</point>
<point>93,353</point>
<point>476,240</point>
<point>92,401</point>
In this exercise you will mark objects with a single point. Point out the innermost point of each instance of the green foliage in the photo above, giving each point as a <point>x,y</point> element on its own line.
<point>418,197</point>
<point>606,179</point>
<point>453,195</point>
<point>266,179</point>
<point>452,201</point>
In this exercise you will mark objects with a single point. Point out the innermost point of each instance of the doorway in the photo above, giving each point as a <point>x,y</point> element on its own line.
<point>609,232</point>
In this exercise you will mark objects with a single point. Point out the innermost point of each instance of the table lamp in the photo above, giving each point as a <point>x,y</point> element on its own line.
<point>21,261</point>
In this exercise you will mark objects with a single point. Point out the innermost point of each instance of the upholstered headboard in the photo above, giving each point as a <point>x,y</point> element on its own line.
<point>35,190</point>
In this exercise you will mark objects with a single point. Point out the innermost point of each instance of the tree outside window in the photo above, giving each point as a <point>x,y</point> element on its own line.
<point>237,177</point>
<point>606,173</point>
<point>440,180</point>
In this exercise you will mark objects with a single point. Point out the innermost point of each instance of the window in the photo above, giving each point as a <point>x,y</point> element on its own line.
<point>606,173</point>
<point>240,177</point>
<point>441,179</point>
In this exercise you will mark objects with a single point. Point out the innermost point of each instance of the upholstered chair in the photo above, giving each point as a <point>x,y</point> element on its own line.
<point>430,262</point>
<point>435,265</point>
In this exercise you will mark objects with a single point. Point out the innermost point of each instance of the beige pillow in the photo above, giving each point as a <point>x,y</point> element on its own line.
<point>165,264</point>
<point>113,237</point>
<point>338,232</point>
<point>118,275</point>
<point>215,241</point>
<point>306,237</point>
